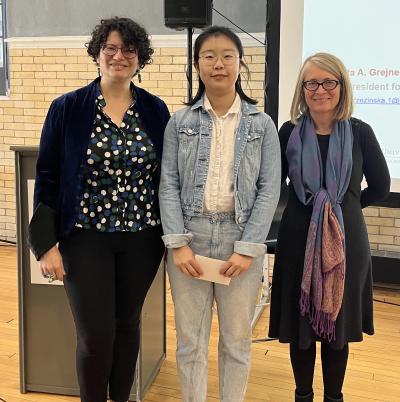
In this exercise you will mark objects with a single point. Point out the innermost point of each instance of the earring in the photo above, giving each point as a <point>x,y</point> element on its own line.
<point>139,75</point>
<point>98,71</point>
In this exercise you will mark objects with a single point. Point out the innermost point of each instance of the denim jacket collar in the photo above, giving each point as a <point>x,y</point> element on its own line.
<point>247,108</point>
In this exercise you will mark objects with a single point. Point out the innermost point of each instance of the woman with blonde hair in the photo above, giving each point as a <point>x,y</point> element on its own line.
<point>322,283</point>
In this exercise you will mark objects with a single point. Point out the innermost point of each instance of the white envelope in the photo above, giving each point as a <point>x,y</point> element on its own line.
<point>211,268</point>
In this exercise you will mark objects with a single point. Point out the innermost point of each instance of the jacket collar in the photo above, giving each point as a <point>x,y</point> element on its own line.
<point>247,108</point>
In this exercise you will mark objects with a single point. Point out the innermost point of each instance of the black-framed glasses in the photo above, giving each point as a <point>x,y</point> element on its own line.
<point>111,50</point>
<point>328,85</point>
<point>227,59</point>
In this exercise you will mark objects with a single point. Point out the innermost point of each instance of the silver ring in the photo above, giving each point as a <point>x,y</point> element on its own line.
<point>50,278</point>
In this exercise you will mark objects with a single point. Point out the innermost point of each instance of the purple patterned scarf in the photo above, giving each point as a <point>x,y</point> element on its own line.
<point>324,262</point>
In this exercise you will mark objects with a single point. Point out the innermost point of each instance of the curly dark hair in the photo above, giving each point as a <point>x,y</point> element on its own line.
<point>132,35</point>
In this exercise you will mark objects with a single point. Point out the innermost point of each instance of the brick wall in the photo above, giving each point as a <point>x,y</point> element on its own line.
<point>383,226</point>
<point>38,75</point>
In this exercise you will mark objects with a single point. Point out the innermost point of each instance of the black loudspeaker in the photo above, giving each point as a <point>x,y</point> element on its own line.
<point>179,14</point>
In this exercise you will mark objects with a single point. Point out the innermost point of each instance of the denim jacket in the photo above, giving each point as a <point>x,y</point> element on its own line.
<point>257,175</point>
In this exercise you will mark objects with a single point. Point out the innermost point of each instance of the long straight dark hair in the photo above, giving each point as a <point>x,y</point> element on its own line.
<point>217,31</point>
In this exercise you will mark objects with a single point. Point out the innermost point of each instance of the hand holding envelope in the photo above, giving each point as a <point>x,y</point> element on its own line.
<point>211,268</point>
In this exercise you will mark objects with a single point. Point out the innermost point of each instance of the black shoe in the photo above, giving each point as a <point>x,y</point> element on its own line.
<point>328,398</point>
<point>304,398</point>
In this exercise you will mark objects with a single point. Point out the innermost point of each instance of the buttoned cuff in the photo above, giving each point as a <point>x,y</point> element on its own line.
<point>177,240</point>
<point>250,249</point>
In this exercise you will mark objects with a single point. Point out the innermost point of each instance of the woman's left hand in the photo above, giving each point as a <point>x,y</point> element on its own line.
<point>236,265</point>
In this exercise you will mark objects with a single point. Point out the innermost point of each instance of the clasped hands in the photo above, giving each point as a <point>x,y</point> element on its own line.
<point>185,261</point>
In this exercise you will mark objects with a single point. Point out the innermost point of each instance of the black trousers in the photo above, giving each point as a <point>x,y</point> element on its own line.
<point>107,279</point>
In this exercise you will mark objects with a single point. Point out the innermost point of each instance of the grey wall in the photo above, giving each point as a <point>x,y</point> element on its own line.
<point>78,17</point>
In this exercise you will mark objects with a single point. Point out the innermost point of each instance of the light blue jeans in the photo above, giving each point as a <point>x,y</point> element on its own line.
<point>214,236</point>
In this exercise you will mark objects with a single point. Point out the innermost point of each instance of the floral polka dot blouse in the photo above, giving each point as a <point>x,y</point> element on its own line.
<point>118,189</point>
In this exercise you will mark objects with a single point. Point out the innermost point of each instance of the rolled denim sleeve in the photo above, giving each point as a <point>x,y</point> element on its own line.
<point>175,234</point>
<point>268,190</point>
<point>177,240</point>
<point>250,249</point>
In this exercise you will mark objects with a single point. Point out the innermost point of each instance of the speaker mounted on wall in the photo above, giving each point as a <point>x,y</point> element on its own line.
<point>180,14</point>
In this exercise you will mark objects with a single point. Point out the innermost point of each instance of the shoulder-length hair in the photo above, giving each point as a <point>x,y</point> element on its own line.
<point>333,65</point>
<point>217,31</point>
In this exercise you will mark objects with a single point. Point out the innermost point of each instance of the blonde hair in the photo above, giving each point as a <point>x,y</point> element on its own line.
<point>333,65</point>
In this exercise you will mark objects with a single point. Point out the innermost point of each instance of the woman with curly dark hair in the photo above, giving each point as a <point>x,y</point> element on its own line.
<point>96,196</point>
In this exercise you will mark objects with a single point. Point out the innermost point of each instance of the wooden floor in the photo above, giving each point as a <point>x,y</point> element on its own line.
<point>373,370</point>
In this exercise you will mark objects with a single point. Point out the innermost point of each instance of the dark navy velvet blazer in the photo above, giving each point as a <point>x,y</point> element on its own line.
<point>62,154</point>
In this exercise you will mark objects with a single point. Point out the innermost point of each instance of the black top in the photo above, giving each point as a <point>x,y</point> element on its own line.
<point>355,316</point>
<point>323,143</point>
<point>118,180</point>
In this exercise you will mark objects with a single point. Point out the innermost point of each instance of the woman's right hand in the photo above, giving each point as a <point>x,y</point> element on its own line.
<point>52,265</point>
<point>185,261</point>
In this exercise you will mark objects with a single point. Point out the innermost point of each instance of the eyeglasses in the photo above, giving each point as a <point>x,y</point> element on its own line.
<point>227,59</point>
<point>328,85</point>
<point>111,50</point>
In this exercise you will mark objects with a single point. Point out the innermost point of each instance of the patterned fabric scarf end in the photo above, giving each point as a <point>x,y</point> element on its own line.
<point>321,322</point>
